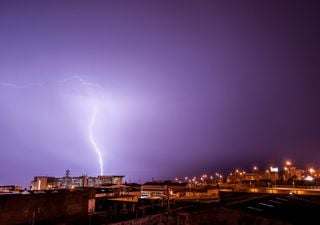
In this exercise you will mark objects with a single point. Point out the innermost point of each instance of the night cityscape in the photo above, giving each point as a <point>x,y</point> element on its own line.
<point>159,112</point>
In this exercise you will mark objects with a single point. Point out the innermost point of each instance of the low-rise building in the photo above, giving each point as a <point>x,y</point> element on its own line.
<point>9,188</point>
<point>40,183</point>
<point>159,190</point>
<point>50,183</point>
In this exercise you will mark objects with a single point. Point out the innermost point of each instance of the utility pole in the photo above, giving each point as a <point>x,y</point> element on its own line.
<point>168,197</point>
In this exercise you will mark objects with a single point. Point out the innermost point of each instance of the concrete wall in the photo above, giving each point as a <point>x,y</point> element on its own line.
<point>217,216</point>
<point>66,207</point>
<point>208,194</point>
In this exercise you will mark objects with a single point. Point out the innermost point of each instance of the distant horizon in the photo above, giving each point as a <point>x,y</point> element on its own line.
<point>224,172</point>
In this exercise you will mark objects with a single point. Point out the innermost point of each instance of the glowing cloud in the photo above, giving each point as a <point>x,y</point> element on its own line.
<point>66,80</point>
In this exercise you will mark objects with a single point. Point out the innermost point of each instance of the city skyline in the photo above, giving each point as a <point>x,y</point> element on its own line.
<point>157,89</point>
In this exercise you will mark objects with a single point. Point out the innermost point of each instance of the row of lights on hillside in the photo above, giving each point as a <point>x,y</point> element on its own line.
<point>237,172</point>
<point>201,179</point>
<point>255,169</point>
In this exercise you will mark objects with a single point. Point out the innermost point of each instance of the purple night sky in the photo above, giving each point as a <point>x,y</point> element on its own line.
<point>181,87</point>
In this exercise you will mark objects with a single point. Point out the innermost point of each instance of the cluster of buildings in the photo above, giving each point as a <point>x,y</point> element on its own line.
<point>289,174</point>
<point>40,183</point>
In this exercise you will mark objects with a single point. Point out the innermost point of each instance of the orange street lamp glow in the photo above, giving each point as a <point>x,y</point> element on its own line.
<point>311,170</point>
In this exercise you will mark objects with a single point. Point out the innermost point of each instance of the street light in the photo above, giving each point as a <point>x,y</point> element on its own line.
<point>311,170</point>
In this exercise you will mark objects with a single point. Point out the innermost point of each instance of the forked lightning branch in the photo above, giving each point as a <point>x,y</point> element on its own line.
<point>94,113</point>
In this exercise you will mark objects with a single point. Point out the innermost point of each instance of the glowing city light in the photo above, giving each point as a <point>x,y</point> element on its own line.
<point>311,170</point>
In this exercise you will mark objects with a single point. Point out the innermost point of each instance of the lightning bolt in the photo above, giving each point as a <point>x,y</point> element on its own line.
<point>82,81</point>
<point>93,119</point>
<point>65,80</point>
<point>11,85</point>
<point>40,84</point>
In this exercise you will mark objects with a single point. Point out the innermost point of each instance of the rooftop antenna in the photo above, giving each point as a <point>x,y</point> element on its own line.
<point>68,173</point>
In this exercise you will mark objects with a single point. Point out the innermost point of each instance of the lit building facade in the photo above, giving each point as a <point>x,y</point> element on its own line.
<point>10,188</point>
<point>51,183</point>
<point>43,183</point>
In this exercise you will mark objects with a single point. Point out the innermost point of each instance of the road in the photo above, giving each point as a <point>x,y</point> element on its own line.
<point>294,209</point>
